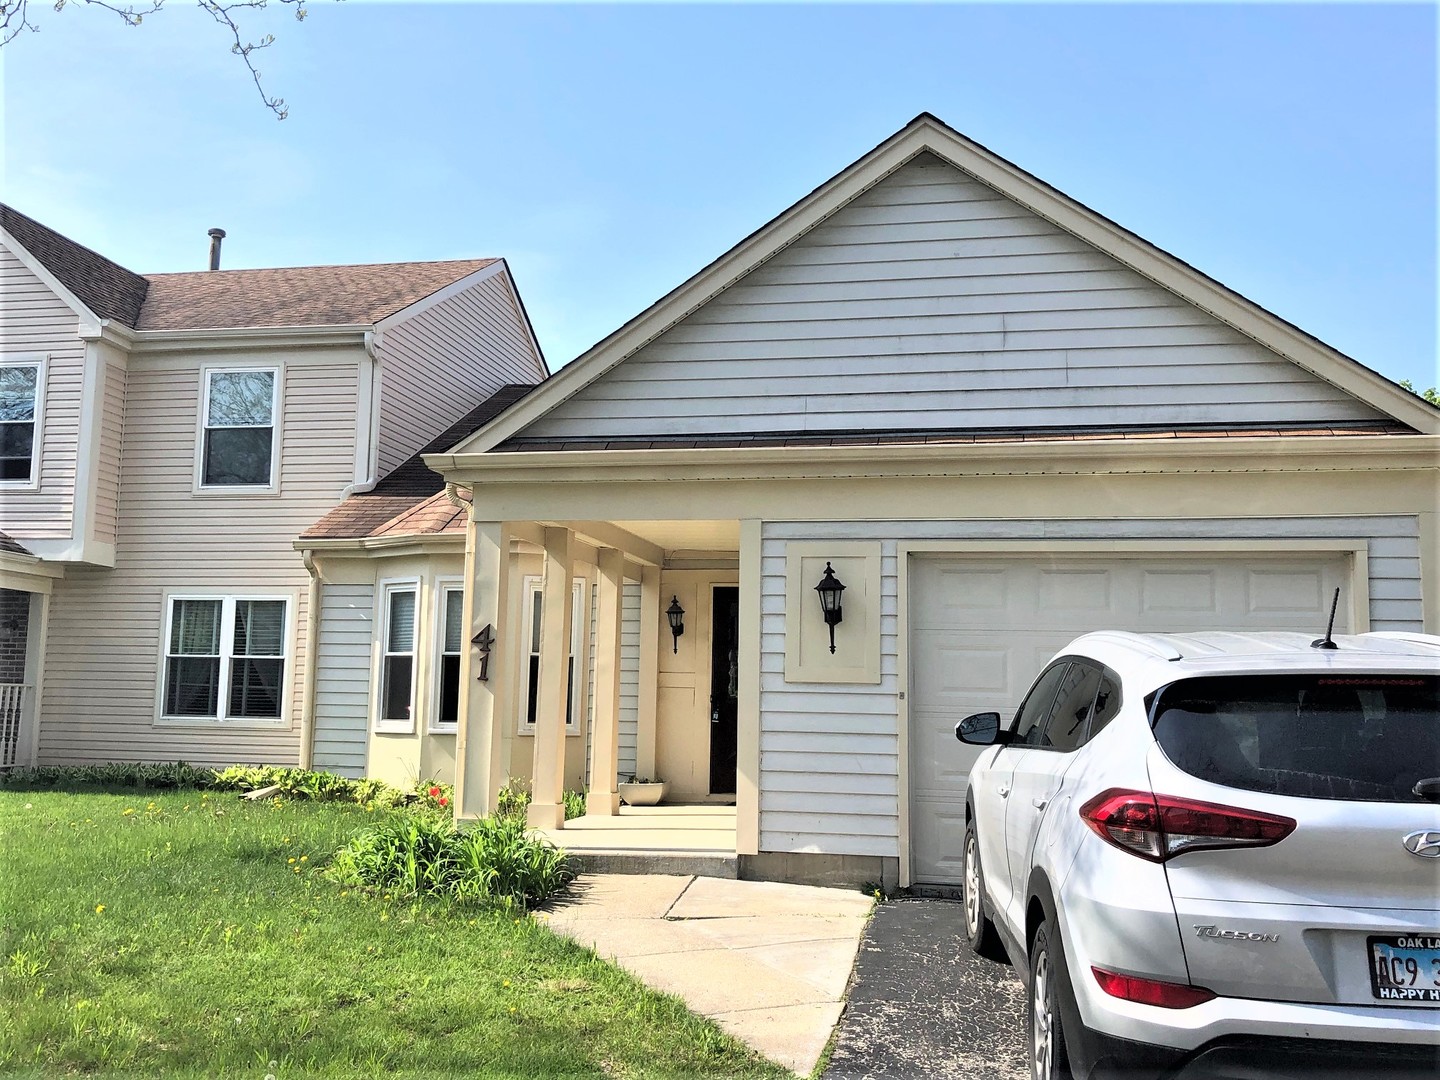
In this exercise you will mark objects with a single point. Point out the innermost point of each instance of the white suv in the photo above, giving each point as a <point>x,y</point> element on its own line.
<point>1217,855</point>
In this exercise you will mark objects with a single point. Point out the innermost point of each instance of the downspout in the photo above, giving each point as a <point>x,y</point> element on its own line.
<point>452,492</point>
<point>312,645</point>
<point>367,436</point>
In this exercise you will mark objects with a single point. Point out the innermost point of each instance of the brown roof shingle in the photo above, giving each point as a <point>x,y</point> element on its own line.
<point>410,499</point>
<point>294,295</point>
<point>12,546</point>
<point>105,287</point>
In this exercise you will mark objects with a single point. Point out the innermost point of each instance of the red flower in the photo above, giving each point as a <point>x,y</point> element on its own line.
<point>444,801</point>
<point>434,791</point>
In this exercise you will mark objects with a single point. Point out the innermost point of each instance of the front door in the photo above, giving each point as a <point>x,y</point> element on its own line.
<point>724,686</point>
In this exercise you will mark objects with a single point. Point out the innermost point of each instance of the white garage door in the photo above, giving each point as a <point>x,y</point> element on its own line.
<point>982,628</point>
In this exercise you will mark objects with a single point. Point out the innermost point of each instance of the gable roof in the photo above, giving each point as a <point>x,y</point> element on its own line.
<point>928,134</point>
<point>105,287</point>
<point>294,295</point>
<point>411,498</point>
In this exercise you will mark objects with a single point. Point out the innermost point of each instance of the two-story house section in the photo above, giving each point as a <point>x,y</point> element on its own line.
<point>163,440</point>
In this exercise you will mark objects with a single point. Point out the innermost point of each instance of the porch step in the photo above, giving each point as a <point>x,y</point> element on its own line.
<point>691,863</point>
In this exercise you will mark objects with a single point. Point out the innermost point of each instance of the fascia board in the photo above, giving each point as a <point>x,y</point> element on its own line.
<point>1230,453</point>
<point>404,544</point>
<point>162,341</point>
<point>1186,282</point>
<point>457,286</point>
<point>927,133</point>
<point>88,319</point>
<point>745,256</point>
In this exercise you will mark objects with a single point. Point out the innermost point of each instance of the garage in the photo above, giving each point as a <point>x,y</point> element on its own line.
<point>982,627</point>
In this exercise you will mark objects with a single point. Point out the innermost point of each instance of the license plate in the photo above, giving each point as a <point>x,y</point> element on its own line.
<point>1405,967</point>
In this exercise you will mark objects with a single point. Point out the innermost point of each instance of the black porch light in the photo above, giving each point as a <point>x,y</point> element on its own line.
<point>830,588</point>
<point>675,615</point>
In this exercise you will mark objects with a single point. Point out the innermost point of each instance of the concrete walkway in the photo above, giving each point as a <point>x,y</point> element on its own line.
<point>767,962</point>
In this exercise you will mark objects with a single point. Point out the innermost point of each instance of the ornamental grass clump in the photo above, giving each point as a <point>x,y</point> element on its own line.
<point>493,861</point>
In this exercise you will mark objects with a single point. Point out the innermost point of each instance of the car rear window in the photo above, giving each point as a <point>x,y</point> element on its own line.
<point>1352,737</point>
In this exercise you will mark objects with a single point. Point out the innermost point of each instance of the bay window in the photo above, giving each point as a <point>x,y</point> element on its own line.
<point>452,638</point>
<point>395,712</point>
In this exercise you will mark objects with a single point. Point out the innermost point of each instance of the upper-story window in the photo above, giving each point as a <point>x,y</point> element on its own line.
<point>21,388</point>
<point>238,447</point>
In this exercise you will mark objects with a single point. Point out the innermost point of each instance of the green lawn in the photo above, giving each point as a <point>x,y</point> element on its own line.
<point>180,935</point>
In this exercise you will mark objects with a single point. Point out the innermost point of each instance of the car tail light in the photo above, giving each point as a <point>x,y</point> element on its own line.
<point>1165,995</point>
<point>1159,827</point>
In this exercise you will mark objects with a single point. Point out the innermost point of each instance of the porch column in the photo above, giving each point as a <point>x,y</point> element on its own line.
<point>547,798</point>
<point>650,619</point>
<point>604,797</point>
<point>483,706</point>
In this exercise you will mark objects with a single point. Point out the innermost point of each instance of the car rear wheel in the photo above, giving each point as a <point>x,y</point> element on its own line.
<point>980,932</point>
<point>1048,1059</point>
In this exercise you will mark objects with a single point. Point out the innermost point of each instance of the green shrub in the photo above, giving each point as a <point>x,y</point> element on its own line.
<point>574,804</point>
<point>138,776</point>
<point>514,799</point>
<point>492,861</point>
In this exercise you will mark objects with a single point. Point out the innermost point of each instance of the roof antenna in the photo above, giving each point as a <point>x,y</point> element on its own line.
<point>1326,642</point>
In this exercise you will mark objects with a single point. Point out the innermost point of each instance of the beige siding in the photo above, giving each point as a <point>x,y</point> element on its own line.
<point>107,473</point>
<point>104,645</point>
<point>932,302</point>
<point>36,322</point>
<point>829,754</point>
<point>442,362</point>
<point>342,678</point>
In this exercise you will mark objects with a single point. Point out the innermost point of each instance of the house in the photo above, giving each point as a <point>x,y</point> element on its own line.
<point>996,417</point>
<point>163,440</point>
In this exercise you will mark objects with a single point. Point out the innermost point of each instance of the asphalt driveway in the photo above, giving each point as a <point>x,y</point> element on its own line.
<point>923,1006</point>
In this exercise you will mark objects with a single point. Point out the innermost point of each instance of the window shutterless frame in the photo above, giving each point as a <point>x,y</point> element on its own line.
<point>235,426</point>
<point>22,421</point>
<point>531,614</point>
<point>397,641</point>
<point>450,641</point>
<point>223,660</point>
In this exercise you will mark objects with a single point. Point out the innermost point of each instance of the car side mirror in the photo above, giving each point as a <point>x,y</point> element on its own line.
<point>980,729</point>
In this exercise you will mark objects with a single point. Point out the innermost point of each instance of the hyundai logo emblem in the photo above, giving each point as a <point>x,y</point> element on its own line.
<point>1424,843</point>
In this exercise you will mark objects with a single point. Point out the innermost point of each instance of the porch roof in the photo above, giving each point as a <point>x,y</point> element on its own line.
<point>12,546</point>
<point>411,499</point>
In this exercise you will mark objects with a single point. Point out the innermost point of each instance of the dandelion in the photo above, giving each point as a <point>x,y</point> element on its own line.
<point>505,982</point>
<point>285,840</point>
<point>470,922</point>
<point>99,909</point>
<point>384,916</point>
<point>512,1008</point>
<point>304,858</point>
<point>295,868</point>
<point>129,810</point>
<point>291,860</point>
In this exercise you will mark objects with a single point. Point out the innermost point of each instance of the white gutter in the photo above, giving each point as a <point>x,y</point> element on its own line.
<point>312,646</point>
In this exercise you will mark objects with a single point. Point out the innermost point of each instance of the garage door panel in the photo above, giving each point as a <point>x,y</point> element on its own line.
<point>983,628</point>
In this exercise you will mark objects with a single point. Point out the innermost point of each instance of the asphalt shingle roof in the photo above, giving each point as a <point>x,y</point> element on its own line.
<point>12,546</point>
<point>105,287</point>
<point>411,499</point>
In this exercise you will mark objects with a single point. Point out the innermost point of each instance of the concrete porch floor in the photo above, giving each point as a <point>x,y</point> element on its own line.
<point>698,840</point>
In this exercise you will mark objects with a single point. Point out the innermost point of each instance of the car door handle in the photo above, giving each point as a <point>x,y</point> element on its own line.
<point>1039,804</point>
<point>1003,791</point>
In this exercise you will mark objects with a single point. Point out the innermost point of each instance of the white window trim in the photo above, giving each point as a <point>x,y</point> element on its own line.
<point>579,640</point>
<point>382,630</point>
<point>202,418</point>
<point>39,362</point>
<point>227,642</point>
<point>443,587</point>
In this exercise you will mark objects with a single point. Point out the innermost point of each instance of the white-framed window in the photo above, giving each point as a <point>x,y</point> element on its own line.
<point>399,633</point>
<point>226,658</point>
<point>22,394</point>
<point>238,428</point>
<point>450,643</point>
<point>533,598</point>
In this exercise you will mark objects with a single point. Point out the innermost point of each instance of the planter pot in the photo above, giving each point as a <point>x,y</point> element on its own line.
<point>642,794</point>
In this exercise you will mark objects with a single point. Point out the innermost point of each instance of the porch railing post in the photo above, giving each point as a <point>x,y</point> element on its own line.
<point>604,797</point>
<point>547,800</point>
<point>484,705</point>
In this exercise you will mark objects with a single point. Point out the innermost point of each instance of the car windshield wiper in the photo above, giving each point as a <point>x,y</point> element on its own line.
<point>1428,788</point>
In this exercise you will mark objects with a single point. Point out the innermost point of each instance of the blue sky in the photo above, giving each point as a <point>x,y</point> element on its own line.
<point>611,151</point>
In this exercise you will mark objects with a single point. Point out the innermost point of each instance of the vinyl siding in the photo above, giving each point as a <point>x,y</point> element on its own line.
<point>442,362</point>
<point>36,322</point>
<point>933,302</point>
<point>342,678</point>
<point>829,754</point>
<point>107,475</point>
<point>104,642</point>
<point>629,679</point>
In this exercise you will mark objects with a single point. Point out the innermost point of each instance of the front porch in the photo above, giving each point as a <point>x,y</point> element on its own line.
<point>698,840</point>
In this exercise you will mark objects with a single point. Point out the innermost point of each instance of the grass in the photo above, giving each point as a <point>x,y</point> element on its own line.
<point>172,935</point>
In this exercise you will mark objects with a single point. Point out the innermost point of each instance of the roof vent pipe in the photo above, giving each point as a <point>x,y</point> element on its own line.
<point>216,235</point>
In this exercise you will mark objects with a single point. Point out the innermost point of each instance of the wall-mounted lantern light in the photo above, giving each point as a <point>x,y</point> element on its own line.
<point>830,588</point>
<point>675,615</point>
